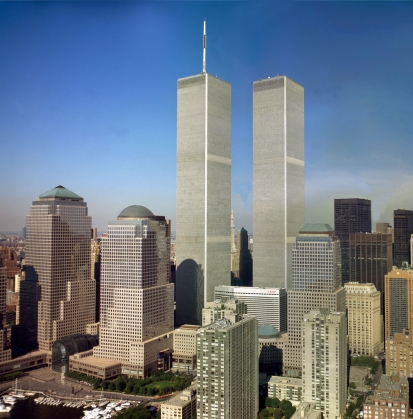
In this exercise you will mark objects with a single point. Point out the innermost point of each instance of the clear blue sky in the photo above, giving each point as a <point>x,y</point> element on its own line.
<point>88,99</point>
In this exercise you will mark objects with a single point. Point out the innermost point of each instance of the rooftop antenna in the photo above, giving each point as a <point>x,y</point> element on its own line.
<point>204,50</point>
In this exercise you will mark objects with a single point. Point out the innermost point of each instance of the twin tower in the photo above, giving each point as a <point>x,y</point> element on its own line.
<point>203,232</point>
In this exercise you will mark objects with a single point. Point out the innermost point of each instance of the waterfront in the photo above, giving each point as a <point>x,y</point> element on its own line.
<point>29,409</point>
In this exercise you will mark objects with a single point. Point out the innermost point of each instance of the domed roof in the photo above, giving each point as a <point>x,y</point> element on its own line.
<point>136,211</point>
<point>267,331</point>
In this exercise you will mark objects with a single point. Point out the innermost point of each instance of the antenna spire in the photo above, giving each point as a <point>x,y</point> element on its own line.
<point>204,50</point>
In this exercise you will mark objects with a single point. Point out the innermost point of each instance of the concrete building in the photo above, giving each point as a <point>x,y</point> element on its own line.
<point>221,309</point>
<point>227,379</point>
<point>324,361</point>
<point>365,323</point>
<point>136,316</point>
<point>5,354</point>
<point>390,399</point>
<point>203,192</point>
<point>181,406</point>
<point>370,258</point>
<point>403,229</point>
<point>95,261</point>
<point>284,388</point>
<point>307,411</point>
<point>268,305</point>
<point>57,294</point>
<point>278,177</point>
<point>271,348</point>
<point>351,215</point>
<point>399,354</point>
<point>316,283</point>
<point>242,260</point>
<point>398,301</point>
<point>184,347</point>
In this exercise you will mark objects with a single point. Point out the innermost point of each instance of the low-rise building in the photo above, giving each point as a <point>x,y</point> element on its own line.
<point>184,348</point>
<point>286,388</point>
<point>182,406</point>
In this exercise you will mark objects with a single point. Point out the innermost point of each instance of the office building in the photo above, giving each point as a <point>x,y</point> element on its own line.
<point>5,354</point>
<point>278,177</point>
<point>370,258</point>
<point>268,305</point>
<point>390,399</point>
<point>403,229</point>
<point>365,323</point>
<point>136,316</point>
<point>203,192</point>
<point>271,348</point>
<point>181,406</point>
<point>184,348</point>
<point>352,215</point>
<point>95,261</point>
<point>399,354</point>
<point>227,372</point>
<point>316,283</point>
<point>242,260</point>
<point>324,360</point>
<point>221,309</point>
<point>57,294</point>
<point>398,301</point>
<point>385,228</point>
<point>284,388</point>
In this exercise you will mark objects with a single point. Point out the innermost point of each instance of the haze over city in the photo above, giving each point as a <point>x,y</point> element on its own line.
<point>88,99</point>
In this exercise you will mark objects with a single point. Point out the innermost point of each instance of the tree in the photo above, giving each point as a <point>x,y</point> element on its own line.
<point>112,386</point>
<point>272,402</point>
<point>352,385</point>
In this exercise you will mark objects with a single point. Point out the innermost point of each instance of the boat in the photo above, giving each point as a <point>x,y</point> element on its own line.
<point>4,408</point>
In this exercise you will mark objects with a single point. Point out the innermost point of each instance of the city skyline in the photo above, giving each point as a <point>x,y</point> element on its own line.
<point>93,85</point>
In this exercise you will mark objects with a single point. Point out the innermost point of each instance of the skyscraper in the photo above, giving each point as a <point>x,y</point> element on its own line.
<point>136,315</point>
<point>324,361</point>
<point>227,371</point>
<point>352,215</point>
<point>57,295</point>
<point>242,260</point>
<point>203,210</point>
<point>278,177</point>
<point>403,229</point>
<point>316,283</point>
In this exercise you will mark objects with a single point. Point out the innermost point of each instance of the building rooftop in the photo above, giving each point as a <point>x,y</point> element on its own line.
<point>267,331</point>
<point>182,398</point>
<point>60,192</point>
<point>317,228</point>
<point>135,211</point>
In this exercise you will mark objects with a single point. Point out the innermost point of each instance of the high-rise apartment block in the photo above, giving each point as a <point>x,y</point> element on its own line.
<point>390,399</point>
<point>398,301</point>
<point>221,309</point>
<point>370,258</point>
<point>324,360</point>
<point>136,316</point>
<point>228,369</point>
<point>403,229</point>
<point>399,354</point>
<point>352,215</point>
<point>363,303</point>
<point>278,177</point>
<point>242,260</point>
<point>268,305</point>
<point>203,192</point>
<point>57,295</point>
<point>286,388</point>
<point>316,283</point>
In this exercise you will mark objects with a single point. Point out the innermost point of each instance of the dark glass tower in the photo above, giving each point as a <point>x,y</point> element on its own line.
<point>403,229</point>
<point>351,215</point>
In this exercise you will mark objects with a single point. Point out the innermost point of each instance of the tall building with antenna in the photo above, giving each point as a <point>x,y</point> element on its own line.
<point>203,231</point>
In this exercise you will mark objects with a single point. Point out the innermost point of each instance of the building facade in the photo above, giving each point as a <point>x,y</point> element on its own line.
<point>316,283</point>
<point>227,372</point>
<point>324,360</point>
<point>398,301</point>
<point>268,305</point>
<point>242,260</point>
<point>181,406</point>
<point>221,309</point>
<point>403,229</point>
<point>399,354</point>
<point>184,347</point>
<point>284,388</point>
<point>271,348</point>
<point>278,177</point>
<point>57,294</point>
<point>203,210</point>
<point>136,316</point>
<point>365,323</point>
<point>351,215</point>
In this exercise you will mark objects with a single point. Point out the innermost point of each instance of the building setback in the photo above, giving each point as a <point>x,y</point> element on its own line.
<point>227,372</point>
<point>203,192</point>
<point>278,177</point>
<point>351,215</point>
<point>57,294</point>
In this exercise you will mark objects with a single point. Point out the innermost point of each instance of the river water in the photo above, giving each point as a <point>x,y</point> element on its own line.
<point>29,409</point>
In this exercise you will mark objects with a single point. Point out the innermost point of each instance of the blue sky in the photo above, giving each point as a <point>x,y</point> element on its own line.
<point>88,99</point>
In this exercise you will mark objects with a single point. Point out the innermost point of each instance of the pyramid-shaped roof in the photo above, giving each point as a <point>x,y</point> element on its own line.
<point>59,192</point>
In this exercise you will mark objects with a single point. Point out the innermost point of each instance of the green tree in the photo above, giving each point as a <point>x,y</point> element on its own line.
<point>112,386</point>
<point>352,385</point>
